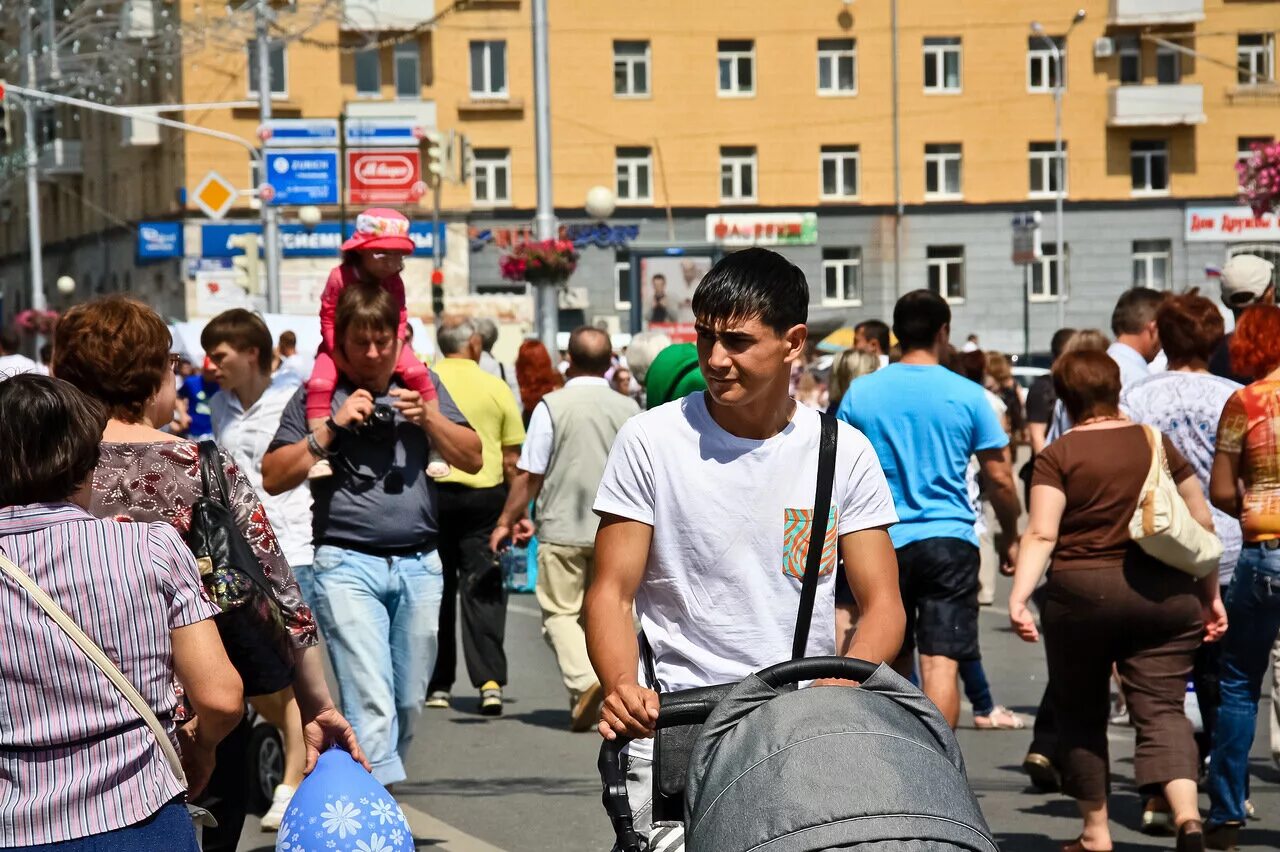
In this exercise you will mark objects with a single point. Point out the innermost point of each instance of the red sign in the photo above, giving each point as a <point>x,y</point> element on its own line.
<point>384,176</point>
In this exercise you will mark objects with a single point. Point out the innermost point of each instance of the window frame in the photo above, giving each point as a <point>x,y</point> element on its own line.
<point>1265,52</point>
<point>621,268</point>
<point>1129,47</point>
<point>376,55</point>
<point>942,262</point>
<point>251,49</point>
<point>1046,161</point>
<point>408,50</point>
<point>1039,53</point>
<point>1148,156</point>
<point>939,160</point>
<point>630,62</point>
<point>484,159</point>
<point>1049,270</point>
<point>1146,252</point>
<point>487,50</point>
<point>833,55</point>
<point>841,156</point>
<point>735,158</point>
<point>1165,54</point>
<point>935,50</point>
<point>842,267</point>
<point>735,56</point>
<point>630,158</point>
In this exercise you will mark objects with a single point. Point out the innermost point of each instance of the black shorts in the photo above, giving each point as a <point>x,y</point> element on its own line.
<point>938,578</point>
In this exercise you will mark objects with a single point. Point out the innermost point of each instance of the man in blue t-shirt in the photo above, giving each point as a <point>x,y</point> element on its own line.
<point>925,422</point>
<point>196,391</point>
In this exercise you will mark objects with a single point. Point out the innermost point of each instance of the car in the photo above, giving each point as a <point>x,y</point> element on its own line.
<point>1024,376</point>
<point>265,764</point>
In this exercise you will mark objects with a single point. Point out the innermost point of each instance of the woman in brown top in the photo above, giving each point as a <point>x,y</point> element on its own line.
<point>116,349</point>
<point>1107,602</point>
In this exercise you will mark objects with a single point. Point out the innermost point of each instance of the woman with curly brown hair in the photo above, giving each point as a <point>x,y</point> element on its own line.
<point>117,350</point>
<point>1248,452</point>
<point>536,375</point>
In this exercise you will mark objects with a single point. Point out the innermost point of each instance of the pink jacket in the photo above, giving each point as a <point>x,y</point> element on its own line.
<point>341,277</point>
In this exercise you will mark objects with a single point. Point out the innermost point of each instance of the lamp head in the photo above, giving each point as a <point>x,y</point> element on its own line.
<point>1080,15</point>
<point>1037,27</point>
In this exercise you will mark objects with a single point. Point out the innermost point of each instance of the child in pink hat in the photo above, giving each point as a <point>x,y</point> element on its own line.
<point>373,257</point>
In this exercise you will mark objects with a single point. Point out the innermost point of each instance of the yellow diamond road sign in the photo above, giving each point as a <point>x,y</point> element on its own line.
<point>215,195</point>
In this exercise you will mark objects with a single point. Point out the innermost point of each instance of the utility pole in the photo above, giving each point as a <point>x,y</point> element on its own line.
<point>270,232</point>
<point>33,162</point>
<point>546,294</point>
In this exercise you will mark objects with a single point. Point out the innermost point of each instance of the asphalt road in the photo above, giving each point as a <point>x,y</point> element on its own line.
<point>523,783</point>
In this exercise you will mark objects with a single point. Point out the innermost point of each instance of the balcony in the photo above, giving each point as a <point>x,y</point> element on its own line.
<point>1130,13</point>
<point>61,157</point>
<point>1156,106</point>
<point>381,15</point>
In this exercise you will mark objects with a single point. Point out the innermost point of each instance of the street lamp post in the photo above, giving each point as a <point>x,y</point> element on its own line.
<point>546,294</point>
<point>270,222</point>
<point>1060,169</point>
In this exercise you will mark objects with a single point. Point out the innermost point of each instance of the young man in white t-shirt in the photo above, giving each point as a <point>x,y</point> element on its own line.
<point>705,507</point>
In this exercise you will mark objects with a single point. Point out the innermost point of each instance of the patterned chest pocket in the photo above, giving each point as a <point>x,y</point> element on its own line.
<point>797,530</point>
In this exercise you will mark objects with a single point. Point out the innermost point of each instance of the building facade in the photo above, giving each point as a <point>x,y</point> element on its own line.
<point>880,154</point>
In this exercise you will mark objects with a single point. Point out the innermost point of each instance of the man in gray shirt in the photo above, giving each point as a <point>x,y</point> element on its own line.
<point>377,576</point>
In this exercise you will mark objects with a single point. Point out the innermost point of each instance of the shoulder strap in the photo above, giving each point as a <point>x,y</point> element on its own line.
<point>1156,442</point>
<point>211,468</point>
<point>102,661</point>
<point>817,534</point>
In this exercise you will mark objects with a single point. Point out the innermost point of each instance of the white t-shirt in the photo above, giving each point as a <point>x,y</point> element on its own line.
<point>12,365</point>
<point>730,520</point>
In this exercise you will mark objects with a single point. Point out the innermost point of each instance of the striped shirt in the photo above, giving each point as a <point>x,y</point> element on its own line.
<point>75,758</point>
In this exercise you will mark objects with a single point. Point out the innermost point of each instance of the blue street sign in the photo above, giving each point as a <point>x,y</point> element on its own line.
<point>303,177</point>
<point>159,239</point>
<point>324,240</point>
<point>366,132</point>
<point>302,133</point>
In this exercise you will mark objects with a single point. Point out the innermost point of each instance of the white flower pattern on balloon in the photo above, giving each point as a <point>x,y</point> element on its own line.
<point>384,811</point>
<point>341,819</point>
<point>397,837</point>
<point>377,843</point>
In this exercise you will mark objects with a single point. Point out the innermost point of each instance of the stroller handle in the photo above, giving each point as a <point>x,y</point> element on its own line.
<point>817,668</point>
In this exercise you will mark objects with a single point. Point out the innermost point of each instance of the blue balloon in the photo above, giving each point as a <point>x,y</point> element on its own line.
<point>340,806</point>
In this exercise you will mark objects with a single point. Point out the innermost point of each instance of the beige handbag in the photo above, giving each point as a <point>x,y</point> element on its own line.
<point>1162,524</point>
<point>200,817</point>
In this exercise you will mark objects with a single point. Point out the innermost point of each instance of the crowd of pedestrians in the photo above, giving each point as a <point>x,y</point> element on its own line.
<point>669,490</point>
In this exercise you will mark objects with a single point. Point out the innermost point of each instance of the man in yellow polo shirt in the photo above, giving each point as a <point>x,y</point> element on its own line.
<point>469,507</point>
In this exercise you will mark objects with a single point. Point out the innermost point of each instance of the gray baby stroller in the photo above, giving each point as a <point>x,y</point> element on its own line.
<point>829,768</point>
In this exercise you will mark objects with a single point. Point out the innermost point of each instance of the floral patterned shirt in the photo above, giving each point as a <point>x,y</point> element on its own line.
<point>160,481</point>
<point>1250,428</point>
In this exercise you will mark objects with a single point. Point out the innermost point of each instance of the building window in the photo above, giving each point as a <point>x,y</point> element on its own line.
<point>1255,55</point>
<point>842,276</point>
<point>942,64</point>
<point>368,73</point>
<point>279,68</point>
<point>1245,145</point>
<point>1168,66</point>
<point>631,69</point>
<point>840,171</point>
<point>1043,157</point>
<point>736,61</point>
<point>837,66</point>
<point>1042,71</point>
<point>1149,167</point>
<point>946,271</point>
<point>491,176</point>
<point>1046,274</point>
<point>635,171</point>
<point>622,285</point>
<point>408,57</point>
<point>737,174</point>
<point>1152,263</point>
<point>488,69</point>
<point>1130,51</point>
<point>941,171</point>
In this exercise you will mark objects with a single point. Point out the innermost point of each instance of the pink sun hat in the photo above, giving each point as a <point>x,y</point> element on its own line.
<point>381,228</point>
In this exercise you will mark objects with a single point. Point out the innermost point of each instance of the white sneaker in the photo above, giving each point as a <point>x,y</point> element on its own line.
<point>279,803</point>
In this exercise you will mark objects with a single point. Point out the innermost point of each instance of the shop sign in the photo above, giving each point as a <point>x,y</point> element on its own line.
<point>601,235</point>
<point>385,176</point>
<point>1230,225</point>
<point>324,240</point>
<point>740,230</point>
<point>159,239</point>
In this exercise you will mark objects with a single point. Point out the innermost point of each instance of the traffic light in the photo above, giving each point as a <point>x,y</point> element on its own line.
<point>437,156</point>
<point>466,160</point>
<point>246,265</point>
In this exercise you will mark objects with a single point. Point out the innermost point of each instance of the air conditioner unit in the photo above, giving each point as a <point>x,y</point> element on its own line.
<point>608,322</point>
<point>140,132</point>
<point>574,298</point>
<point>1104,48</point>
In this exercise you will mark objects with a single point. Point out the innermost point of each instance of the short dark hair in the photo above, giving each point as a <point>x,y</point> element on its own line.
<point>241,330</point>
<point>754,283</point>
<point>46,353</point>
<point>288,340</point>
<point>877,330</point>
<point>1134,309</point>
<point>1059,341</point>
<point>364,309</point>
<point>590,350</point>
<point>50,434</point>
<point>918,317</point>
<point>115,349</point>
<point>658,275</point>
<point>1191,327</point>
<point>1088,383</point>
<point>8,341</point>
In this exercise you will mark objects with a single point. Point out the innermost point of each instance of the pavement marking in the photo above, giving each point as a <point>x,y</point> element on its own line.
<point>446,837</point>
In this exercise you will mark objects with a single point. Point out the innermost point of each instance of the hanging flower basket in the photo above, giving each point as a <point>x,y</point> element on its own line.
<point>1260,178</point>
<point>36,322</point>
<point>549,261</point>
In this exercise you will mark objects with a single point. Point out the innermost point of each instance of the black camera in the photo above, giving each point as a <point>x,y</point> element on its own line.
<point>380,421</point>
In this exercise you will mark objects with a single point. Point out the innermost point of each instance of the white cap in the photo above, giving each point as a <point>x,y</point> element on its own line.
<point>1244,279</point>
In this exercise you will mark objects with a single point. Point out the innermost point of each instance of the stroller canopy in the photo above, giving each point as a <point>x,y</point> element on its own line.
<point>827,768</point>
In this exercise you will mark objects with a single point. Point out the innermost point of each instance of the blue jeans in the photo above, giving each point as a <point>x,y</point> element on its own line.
<point>379,616</point>
<point>167,830</point>
<point>1253,612</point>
<point>976,687</point>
